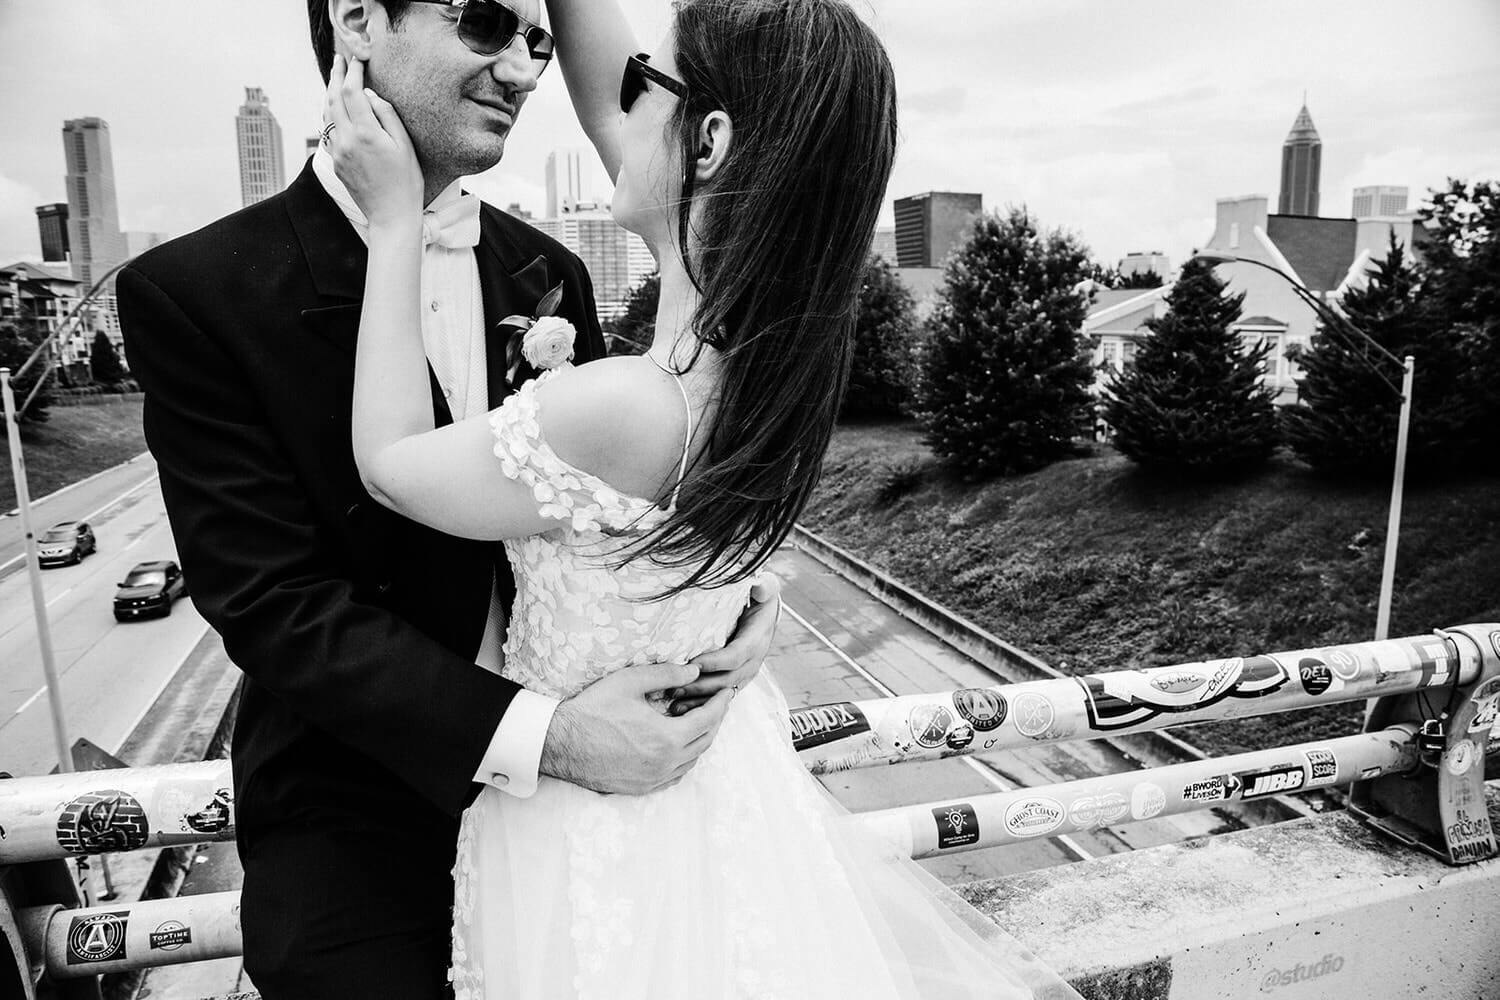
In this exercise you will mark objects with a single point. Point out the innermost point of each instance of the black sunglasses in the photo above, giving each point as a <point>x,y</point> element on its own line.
<point>633,83</point>
<point>488,28</point>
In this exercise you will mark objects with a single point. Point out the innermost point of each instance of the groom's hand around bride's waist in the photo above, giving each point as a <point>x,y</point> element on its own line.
<point>736,665</point>
<point>613,737</point>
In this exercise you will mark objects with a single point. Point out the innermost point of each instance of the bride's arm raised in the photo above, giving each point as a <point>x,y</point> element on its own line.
<point>593,42</point>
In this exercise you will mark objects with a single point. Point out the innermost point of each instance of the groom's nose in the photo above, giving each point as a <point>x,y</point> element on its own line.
<point>514,67</point>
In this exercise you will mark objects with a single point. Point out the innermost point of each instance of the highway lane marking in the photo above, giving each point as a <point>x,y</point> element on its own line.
<point>65,593</point>
<point>171,676</point>
<point>32,700</point>
<point>90,516</point>
<point>1068,843</point>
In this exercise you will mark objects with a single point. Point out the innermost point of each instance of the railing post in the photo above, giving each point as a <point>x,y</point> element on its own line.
<point>1441,806</point>
<point>28,893</point>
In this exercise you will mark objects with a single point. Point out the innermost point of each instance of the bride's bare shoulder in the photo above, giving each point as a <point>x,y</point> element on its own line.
<point>618,418</point>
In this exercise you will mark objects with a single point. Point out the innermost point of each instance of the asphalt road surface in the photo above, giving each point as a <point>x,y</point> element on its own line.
<point>109,673</point>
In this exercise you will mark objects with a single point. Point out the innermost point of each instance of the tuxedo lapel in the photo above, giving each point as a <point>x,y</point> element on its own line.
<point>336,258</point>
<point>510,283</point>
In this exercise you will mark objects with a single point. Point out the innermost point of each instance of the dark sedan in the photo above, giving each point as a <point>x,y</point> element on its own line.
<point>149,589</point>
<point>64,543</point>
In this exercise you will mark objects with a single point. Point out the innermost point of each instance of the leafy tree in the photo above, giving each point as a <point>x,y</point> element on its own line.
<point>1460,246</point>
<point>18,339</point>
<point>632,330</point>
<point>1192,401</point>
<point>1140,279</point>
<point>881,376</point>
<point>104,360</point>
<point>1005,373</point>
<point>1350,398</point>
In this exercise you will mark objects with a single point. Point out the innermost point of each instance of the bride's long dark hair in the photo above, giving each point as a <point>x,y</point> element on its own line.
<point>776,249</point>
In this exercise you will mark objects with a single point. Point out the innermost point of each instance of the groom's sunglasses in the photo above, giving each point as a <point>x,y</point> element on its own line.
<point>488,28</point>
<point>633,83</point>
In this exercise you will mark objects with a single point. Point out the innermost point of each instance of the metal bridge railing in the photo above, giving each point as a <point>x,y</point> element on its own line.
<point>1418,775</point>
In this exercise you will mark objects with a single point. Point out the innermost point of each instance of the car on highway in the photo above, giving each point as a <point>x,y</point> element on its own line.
<point>66,542</point>
<point>149,589</point>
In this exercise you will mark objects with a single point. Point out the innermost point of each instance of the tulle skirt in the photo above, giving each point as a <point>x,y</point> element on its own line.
<point>744,880</point>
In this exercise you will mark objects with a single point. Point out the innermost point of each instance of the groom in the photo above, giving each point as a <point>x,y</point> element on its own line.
<point>366,725</point>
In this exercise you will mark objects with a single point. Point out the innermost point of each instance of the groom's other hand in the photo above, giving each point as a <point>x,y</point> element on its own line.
<point>611,737</point>
<point>735,666</point>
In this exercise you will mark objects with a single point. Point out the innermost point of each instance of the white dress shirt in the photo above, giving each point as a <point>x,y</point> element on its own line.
<point>453,338</point>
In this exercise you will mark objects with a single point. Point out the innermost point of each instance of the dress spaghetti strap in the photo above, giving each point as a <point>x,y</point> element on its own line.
<point>687,444</point>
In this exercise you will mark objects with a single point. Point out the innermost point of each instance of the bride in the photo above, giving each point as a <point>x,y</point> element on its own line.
<point>637,496</point>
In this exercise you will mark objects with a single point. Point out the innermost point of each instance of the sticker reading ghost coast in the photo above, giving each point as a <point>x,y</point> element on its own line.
<point>1128,698</point>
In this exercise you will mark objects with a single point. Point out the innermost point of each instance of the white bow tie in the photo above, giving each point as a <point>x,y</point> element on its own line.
<point>454,225</point>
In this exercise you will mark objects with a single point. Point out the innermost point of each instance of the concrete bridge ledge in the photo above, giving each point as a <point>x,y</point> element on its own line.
<point>1316,907</point>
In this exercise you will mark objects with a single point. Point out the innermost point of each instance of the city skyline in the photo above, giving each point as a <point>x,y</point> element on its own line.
<point>261,157</point>
<point>1127,146</point>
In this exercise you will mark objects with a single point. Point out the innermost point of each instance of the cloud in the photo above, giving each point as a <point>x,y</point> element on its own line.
<point>18,203</point>
<point>943,101</point>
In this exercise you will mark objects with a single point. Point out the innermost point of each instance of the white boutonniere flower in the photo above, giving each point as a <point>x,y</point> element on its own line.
<point>543,340</point>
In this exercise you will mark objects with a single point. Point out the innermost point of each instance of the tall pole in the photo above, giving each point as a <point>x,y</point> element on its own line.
<point>1393,523</point>
<point>34,570</point>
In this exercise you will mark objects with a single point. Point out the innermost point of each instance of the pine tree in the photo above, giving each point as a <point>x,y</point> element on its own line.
<point>1192,401</point>
<point>881,376</point>
<point>1004,373</point>
<point>104,360</point>
<point>632,330</point>
<point>1461,260</point>
<point>1350,395</point>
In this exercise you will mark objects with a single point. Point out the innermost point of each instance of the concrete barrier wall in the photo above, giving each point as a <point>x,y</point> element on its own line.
<point>1313,908</point>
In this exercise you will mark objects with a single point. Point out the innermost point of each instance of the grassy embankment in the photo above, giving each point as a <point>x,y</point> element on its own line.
<point>1093,564</point>
<point>75,442</point>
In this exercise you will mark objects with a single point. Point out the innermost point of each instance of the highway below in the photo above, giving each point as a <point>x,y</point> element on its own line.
<point>110,673</point>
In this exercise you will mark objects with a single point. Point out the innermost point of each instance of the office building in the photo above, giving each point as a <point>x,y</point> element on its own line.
<point>884,244</point>
<point>1380,200</point>
<point>1134,263</point>
<point>1301,167</point>
<point>575,182</point>
<point>617,259</point>
<point>929,226</point>
<point>94,239</point>
<point>262,165</point>
<point>52,227</point>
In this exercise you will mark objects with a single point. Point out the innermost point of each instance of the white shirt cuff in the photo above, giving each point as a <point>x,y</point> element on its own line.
<point>515,752</point>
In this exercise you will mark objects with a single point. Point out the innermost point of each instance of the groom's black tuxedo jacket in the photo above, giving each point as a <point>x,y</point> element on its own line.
<point>356,628</point>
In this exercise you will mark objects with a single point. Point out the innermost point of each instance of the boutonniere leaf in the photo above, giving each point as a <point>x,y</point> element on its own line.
<point>550,301</point>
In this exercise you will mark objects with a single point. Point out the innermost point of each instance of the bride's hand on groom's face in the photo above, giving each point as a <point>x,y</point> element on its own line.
<point>735,666</point>
<point>372,153</point>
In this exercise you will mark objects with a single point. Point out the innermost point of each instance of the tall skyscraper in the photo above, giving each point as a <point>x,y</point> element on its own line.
<point>94,236</point>
<point>1381,200</point>
<point>262,166</point>
<point>930,225</point>
<point>52,226</point>
<point>575,182</point>
<point>1301,167</point>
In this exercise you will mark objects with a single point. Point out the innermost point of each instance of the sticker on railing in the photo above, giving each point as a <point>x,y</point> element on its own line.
<point>1034,816</point>
<point>1469,837</point>
<point>957,825</point>
<point>1322,767</point>
<point>1219,788</point>
<point>981,708</point>
<point>1272,781</point>
<point>99,937</point>
<point>1146,800</point>
<point>1459,758</point>
<point>1033,713</point>
<point>106,820</point>
<point>170,935</point>
<point>929,724</point>
<point>1093,811</point>
<point>812,727</point>
<point>1131,697</point>
<point>1315,676</point>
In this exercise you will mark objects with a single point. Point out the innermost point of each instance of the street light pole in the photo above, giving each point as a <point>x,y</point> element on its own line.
<point>34,570</point>
<point>1393,521</point>
<point>1333,320</point>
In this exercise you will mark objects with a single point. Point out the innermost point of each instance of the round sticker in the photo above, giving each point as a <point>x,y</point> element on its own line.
<point>929,725</point>
<point>1344,664</point>
<point>1459,758</point>
<point>1035,816</point>
<point>1033,714</point>
<point>961,736</point>
<point>1316,677</point>
<point>1147,800</point>
<point>981,708</point>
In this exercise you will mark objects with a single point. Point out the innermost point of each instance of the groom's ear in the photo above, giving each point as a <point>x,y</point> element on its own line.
<point>351,27</point>
<point>715,136</point>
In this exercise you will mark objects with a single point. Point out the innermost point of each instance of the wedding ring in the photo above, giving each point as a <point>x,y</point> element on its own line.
<point>327,133</point>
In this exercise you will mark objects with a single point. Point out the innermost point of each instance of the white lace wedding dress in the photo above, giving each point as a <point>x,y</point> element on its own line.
<point>745,880</point>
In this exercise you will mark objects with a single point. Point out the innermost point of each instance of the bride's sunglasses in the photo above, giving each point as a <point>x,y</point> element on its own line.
<point>633,83</point>
<point>488,28</point>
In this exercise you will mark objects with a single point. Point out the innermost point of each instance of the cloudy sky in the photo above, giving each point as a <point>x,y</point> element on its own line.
<point>1121,122</point>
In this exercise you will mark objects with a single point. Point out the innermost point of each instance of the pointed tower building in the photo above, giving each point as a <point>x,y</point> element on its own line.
<point>1301,167</point>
